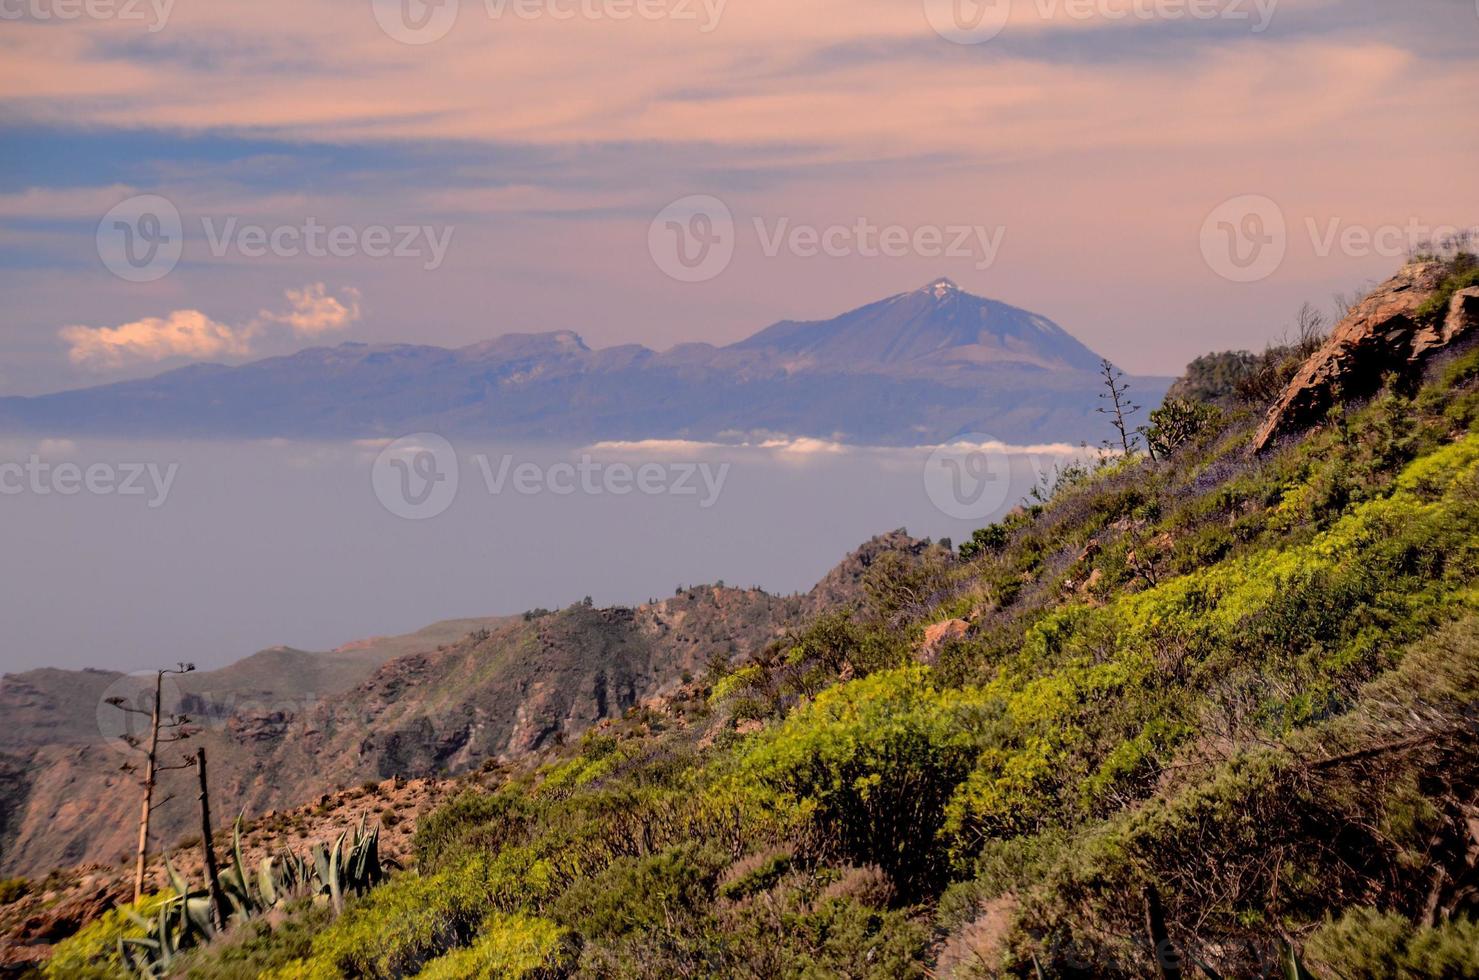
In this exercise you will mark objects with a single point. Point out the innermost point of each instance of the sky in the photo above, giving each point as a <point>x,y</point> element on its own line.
<point>183,180</point>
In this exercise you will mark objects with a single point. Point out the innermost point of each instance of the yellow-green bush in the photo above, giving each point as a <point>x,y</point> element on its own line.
<point>1365,944</point>
<point>509,947</point>
<point>872,764</point>
<point>92,953</point>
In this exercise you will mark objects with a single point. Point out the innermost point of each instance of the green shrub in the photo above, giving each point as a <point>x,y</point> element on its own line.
<point>260,946</point>
<point>472,822</point>
<point>1178,422</point>
<point>872,764</point>
<point>1365,944</point>
<point>753,874</point>
<point>92,953</point>
<point>13,890</point>
<point>400,926</point>
<point>638,894</point>
<point>509,947</point>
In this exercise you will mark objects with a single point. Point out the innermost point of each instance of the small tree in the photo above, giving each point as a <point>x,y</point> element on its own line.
<point>1176,423</point>
<point>1120,408</point>
<point>161,732</point>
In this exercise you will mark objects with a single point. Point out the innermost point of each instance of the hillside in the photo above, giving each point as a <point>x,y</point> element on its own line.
<point>1198,711</point>
<point>917,368</point>
<point>285,725</point>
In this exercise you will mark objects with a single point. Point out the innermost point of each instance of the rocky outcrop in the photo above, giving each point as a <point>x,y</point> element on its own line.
<point>1383,333</point>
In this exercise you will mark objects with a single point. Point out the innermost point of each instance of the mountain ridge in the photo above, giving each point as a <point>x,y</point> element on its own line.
<point>919,367</point>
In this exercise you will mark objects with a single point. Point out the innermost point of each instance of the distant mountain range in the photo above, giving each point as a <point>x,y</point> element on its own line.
<point>917,368</point>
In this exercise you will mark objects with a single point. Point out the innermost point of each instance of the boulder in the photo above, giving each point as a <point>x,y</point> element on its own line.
<point>1382,333</point>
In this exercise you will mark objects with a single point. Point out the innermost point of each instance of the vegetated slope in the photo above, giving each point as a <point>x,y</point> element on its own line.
<point>1212,704</point>
<point>283,726</point>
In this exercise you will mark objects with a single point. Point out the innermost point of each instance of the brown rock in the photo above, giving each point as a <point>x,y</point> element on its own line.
<point>1380,334</point>
<point>935,636</point>
<point>1463,316</point>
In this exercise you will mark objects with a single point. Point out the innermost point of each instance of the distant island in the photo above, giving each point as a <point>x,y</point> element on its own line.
<point>918,368</point>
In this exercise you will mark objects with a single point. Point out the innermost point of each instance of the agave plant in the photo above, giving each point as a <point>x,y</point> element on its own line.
<point>180,923</point>
<point>246,895</point>
<point>186,920</point>
<point>354,871</point>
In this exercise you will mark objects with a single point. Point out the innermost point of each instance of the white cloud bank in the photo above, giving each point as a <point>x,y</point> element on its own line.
<point>312,312</point>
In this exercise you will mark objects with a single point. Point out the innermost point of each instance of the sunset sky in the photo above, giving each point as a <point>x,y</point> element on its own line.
<point>531,145</point>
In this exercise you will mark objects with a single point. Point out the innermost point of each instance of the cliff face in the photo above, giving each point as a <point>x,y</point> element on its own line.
<point>279,728</point>
<point>1391,330</point>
